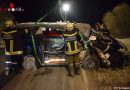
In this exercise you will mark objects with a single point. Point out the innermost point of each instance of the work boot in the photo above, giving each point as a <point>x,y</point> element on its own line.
<point>71,74</point>
<point>77,72</point>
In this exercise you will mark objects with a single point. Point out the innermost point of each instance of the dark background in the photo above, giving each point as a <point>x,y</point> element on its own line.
<point>89,11</point>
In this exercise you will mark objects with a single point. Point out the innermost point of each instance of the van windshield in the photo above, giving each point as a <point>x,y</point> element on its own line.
<point>54,43</point>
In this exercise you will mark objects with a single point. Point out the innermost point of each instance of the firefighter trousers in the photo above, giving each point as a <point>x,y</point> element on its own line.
<point>13,62</point>
<point>73,64</point>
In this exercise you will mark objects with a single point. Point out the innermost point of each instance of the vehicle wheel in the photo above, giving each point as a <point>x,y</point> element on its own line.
<point>29,62</point>
<point>90,63</point>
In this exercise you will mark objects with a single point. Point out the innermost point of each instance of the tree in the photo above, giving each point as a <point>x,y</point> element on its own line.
<point>118,21</point>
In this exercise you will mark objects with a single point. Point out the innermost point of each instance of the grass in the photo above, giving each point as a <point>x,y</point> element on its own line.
<point>111,77</point>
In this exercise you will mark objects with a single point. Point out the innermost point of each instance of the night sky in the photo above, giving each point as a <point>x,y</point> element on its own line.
<point>89,11</point>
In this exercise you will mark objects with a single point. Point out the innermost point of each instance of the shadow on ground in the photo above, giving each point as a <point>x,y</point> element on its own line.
<point>5,79</point>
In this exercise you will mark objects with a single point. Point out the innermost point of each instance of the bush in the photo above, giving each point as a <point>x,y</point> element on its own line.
<point>118,21</point>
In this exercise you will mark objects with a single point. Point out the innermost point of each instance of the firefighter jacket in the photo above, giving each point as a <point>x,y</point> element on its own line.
<point>71,41</point>
<point>13,40</point>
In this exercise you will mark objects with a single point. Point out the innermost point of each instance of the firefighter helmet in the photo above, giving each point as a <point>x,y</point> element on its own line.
<point>97,24</point>
<point>9,23</point>
<point>69,26</point>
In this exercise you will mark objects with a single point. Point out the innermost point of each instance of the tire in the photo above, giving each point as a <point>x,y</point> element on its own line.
<point>29,62</point>
<point>90,63</point>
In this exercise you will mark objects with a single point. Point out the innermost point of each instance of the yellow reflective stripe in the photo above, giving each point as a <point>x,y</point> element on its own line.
<point>69,47</point>
<point>9,32</point>
<point>77,63</point>
<point>14,53</point>
<point>70,34</point>
<point>11,45</point>
<point>4,32</point>
<point>70,64</point>
<point>75,45</point>
<point>5,46</point>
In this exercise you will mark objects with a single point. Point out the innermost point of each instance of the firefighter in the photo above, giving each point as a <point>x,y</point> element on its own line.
<point>72,50</point>
<point>97,27</point>
<point>13,40</point>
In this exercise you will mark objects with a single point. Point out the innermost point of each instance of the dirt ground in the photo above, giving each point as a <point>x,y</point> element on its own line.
<point>47,78</point>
